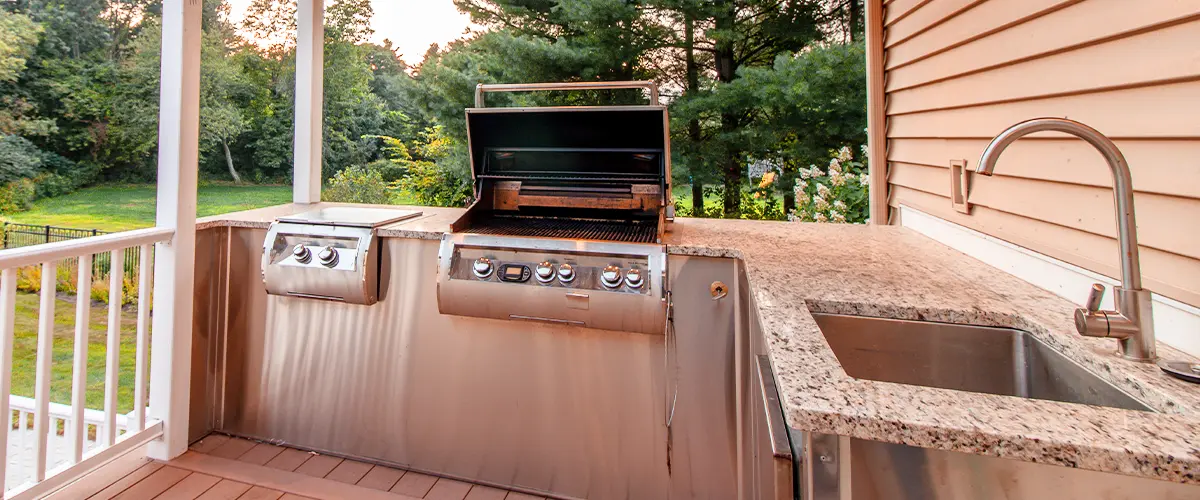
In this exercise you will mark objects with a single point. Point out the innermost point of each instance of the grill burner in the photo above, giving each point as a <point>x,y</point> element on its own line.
<point>553,227</point>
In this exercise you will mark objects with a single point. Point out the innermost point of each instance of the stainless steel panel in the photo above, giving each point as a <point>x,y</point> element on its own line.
<point>567,410</point>
<point>352,277</point>
<point>883,471</point>
<point>704,430</point>
<point>772,474</point>
<point>208,326</point>
<point>460,292</point>
<point>967,358</point>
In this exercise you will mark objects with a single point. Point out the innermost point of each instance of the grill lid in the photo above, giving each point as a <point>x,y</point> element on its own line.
<point>622,143</point>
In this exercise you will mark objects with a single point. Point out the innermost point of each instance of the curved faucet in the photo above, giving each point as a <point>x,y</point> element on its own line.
<point>1131,322</point>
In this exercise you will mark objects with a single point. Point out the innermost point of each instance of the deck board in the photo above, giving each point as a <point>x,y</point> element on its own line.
<point>125,482</point>
<point>381,478</point>
<point>448,489</point>
<point>229,468</point>
<point>289,460</point>
<point>191,487</point>
<point>233,448</point>
<point>479,492</point>
<point>349,472</point>
<point>154,484</point>
<point>414,484</point>
<point>319,465</point>
<point>261,453</point>
<point>225,490</point>
<point>260,493</point>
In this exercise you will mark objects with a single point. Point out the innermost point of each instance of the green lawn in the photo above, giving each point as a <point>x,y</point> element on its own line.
<point>25,352</point>
<point>125,207</point>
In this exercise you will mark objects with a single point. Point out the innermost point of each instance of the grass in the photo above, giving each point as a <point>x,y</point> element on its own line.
<point>124,207</point>
<point>24,373</point>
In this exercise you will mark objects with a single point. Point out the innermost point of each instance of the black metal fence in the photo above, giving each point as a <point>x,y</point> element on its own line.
<point>24,235</point>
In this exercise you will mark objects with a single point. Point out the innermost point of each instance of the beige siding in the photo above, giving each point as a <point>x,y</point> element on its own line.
<point>960,71</point>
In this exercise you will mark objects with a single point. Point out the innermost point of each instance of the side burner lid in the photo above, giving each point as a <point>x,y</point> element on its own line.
<point>351,217</point>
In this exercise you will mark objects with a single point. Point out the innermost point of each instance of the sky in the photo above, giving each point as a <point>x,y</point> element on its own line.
<point>411,25</point>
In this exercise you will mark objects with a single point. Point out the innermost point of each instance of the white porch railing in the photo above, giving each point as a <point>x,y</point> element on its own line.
<point>110,442</point>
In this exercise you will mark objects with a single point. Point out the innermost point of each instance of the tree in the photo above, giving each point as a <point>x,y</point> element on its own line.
<point>18,36</point>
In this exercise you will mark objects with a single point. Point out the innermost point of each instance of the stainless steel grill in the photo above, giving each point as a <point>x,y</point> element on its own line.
<point>574,229</point>
<point>569,213</point>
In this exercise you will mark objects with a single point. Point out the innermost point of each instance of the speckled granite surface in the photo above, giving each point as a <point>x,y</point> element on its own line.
<point>796,269</point>
<point>893,272</point>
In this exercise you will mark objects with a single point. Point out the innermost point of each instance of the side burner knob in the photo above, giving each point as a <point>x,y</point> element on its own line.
<point>544,272</point>
<point>328,257</point>
<point>302,254</point>
<point>566,273</point>
<point>610,277</point>
<point>633,279</point>
<point>482,268</point>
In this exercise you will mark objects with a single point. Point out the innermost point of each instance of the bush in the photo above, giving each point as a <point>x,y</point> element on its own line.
<point>838,194</point>
<point>17,196</point>
<point>19,159</point>
<point>357,184</point>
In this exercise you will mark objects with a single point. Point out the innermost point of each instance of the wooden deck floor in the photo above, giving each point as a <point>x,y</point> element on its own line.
<point>223,468</point>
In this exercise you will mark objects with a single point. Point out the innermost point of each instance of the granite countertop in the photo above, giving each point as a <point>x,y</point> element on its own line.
<point>886,271</point>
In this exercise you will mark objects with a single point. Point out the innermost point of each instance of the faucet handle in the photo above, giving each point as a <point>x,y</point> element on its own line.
<point>1094,297</point>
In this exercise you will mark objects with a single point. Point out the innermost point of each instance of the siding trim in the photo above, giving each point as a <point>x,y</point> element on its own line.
<point>1176,324</point>
<point>877,163</point>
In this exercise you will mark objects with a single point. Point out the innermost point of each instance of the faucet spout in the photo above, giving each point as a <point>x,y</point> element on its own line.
<point>1132,321</point>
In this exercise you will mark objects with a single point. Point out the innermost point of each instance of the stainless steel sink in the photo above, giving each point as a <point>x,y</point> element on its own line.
<point>966,358</point>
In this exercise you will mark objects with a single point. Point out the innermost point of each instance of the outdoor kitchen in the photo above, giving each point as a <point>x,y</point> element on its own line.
<point>565,337</point>
<point>928,316</point>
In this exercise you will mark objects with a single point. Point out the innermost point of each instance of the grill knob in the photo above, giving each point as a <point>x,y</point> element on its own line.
<point>610,277</point>
<point>482,268</point>
<point>633,279</point>
<point>566,273</point>
<point>328,257</point>
<point>544,272</point>
<point>302,254</point>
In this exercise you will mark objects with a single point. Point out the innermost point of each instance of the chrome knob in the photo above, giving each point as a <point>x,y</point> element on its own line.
<point>633,279</point>
<point>544,272</point>
<point>302,254</point>
<point>610,277</point>
<point>482,267</point>
<point>328,257</point>
<point>566,273</point>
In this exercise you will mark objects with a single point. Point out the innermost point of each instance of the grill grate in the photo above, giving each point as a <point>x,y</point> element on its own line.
<point>582,229</point>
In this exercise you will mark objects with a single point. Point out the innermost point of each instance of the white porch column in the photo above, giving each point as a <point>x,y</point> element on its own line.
<point>310,101</point>
<point>178,161</point>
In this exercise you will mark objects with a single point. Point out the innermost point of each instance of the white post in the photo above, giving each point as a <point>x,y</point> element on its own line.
<point>310,101</point>
<point>178,160</point>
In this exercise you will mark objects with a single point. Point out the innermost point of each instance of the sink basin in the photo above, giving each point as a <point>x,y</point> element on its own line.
<point>966,358</point>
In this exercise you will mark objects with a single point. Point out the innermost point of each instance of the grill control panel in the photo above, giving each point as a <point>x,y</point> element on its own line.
<point>571,271</point>
<point>611,286</point>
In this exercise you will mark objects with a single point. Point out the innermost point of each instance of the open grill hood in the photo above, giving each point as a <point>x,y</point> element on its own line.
<point>559,171</point>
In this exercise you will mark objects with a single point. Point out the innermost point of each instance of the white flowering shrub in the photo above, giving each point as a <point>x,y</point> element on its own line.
<point>837,194</point>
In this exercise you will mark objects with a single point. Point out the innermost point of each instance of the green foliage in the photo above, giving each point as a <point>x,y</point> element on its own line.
<point>16,196</point>
<point>18,35</point>
<point>19,158</point>
<point>837,194</point>
<point>357,185</point>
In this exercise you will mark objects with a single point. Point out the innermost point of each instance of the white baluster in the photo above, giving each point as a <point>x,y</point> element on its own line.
<point>45,354</point>
<point>145,284</point>
<point>83,303</point>
<point>8,306</point>
<point>116,277</point>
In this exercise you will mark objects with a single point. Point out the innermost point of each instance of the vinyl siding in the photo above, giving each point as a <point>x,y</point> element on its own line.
<point>958,72</point>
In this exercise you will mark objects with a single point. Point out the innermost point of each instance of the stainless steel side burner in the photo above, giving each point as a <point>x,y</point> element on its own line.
<point>328,254</point>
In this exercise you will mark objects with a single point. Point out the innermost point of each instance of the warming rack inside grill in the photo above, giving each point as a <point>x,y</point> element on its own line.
<point>632,231</point>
